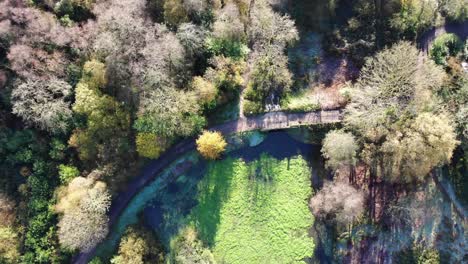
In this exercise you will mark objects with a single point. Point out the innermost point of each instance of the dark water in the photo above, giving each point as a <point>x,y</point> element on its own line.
<point>168,210</point>
<point>165,204</point>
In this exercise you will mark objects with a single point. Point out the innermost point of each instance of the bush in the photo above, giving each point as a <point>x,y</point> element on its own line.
<point>444,46</point>
<point>300,104</point>
<point>149,145</point>
<point>252,107</point>
<point>138,245</point>
<point>187,248</point>
<point>211,144</point>
<point>9,252</point>
<point>57,148</point>
<point>67,173</point>
<point>229,48</point>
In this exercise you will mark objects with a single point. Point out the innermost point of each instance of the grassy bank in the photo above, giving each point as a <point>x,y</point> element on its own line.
<point>256,212</point>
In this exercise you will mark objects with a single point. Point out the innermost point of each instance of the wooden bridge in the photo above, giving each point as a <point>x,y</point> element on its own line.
<point>279,120</point>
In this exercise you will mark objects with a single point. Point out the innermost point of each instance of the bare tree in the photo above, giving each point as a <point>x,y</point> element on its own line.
<point>338,201</point>
<point>84,204</point>
<point>138,52</point>
<point>270,28</point>
<point>43,103</point>
<point>228,24</point>
<point>339,148</point>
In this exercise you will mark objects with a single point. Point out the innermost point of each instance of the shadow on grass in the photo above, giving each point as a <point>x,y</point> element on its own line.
<point>216,190</point>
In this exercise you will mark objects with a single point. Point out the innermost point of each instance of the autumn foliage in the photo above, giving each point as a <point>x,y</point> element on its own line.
<point>211,144</point>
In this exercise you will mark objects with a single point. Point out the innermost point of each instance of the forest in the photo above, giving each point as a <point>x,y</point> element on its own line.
<point>233,131</point>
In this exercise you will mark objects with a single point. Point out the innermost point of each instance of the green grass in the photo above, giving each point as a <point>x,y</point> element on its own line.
<point>256,212</point>
<point>301,102</point>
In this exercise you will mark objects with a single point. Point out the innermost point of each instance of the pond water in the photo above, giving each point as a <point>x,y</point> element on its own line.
<point>165,203</point>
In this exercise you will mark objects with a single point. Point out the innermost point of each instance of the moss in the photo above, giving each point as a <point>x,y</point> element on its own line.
<point>256,212</point>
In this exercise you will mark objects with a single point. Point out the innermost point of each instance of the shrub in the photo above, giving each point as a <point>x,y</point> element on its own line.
<point>444,46</point>
<point>211,144</point>
<point>252,107</point>
<point>149,145</point>
<point>229,48</point>
<point>138,246</point>
<point>9,252</point>
<point>205,91</point>
<point>57,148</point>
<point>67,173</point>
<point>338,201</point>
<point>339,148</point>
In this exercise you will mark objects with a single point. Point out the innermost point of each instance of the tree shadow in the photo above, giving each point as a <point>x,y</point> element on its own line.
<point>214,191</point>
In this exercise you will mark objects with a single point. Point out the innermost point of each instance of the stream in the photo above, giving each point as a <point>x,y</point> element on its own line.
<point>165,202</point>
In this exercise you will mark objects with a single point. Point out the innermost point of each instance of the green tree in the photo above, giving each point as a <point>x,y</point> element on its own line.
<point>414,17</point>
<point>169,113</point>
<point>149,145</point>
<point>444,46</point>
<point>67,173</point>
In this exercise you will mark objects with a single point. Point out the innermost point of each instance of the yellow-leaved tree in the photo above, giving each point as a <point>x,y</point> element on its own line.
<point>211,144</point>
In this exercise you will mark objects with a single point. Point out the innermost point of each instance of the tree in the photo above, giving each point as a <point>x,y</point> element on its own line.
<point>228,25</point>
<point>454,10</point>
<point>187,248</point>
<point>138,53</point>
<point>205,90</point>
<point>193,38</point>
<point>149,145</point>
<point>226,74</point>
<point>9,248</point>
<point>84,204</point>
<point>270,74</point>
<point>138,246</point>
<point>270,28</point>
<point>389,104</point>
<point>211,144</point>
<point>414,17</point>
<point>412,152</point>
<point>94,74</point>
<point>444,46</point>
<point>107,125</point>
<point>39,46</point>
<point>43,103</point>
<point>339,148</point>
<point>7,210</point>
<point>338,201</point>
<point>67,173</point>
<point>34,63</point>
<point>174,12</point>
<point>169,113</point>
